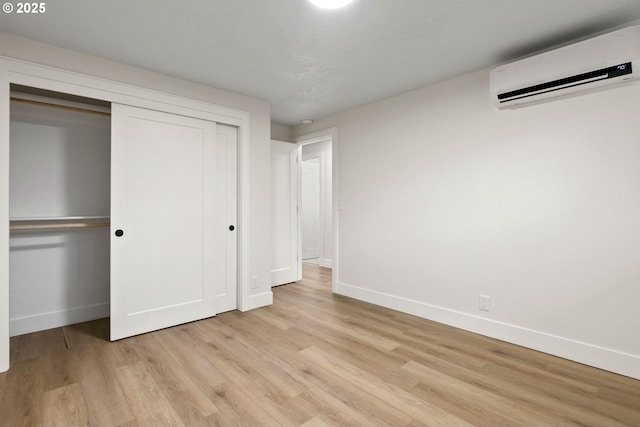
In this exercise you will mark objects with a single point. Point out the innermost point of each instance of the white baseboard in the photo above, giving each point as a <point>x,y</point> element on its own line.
<point>259,300</point>
<point>310,253</point>
<point>56,319</point>
<point>326,263</point>
<point>589,354</point>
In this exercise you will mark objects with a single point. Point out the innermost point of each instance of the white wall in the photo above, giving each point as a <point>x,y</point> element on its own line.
<point>280,132</point>
<point>323,152</point>
<point>445,198</point>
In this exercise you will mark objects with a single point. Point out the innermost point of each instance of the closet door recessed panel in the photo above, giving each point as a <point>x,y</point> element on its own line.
<point>163,198</point>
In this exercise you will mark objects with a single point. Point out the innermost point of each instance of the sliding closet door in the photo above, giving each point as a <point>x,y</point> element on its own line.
<point>164,220</point>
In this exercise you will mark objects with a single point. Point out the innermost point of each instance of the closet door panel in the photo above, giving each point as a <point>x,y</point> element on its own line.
<point>163,200</point>
<point>226,212</point>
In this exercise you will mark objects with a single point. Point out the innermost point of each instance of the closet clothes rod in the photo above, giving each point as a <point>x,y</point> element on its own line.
<point>62,107</point>
<point>34,227</point>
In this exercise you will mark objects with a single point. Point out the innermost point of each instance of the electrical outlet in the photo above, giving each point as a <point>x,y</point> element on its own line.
<point>484,303</point>
<point>254,282</point>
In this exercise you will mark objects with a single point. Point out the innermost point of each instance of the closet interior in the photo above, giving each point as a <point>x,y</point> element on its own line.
<point>59,262</point>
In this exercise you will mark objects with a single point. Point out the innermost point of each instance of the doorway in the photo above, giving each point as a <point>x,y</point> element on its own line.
<point>303,207</point>
<point>316,198</point>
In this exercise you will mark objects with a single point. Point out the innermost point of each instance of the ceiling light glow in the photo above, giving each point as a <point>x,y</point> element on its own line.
<point>330,4</point>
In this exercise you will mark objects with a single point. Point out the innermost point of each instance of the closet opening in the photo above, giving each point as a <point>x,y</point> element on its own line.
<point>59,207</point>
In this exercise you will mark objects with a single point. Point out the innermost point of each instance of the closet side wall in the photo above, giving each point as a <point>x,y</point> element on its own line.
<point>60,163</point>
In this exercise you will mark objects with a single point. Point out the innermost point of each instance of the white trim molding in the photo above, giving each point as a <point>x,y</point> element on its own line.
<point>326,263</point>
<point>259,300</point>
<point>4,218</point>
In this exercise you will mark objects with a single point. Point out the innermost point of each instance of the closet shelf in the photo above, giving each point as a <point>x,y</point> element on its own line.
<point>58,223</point>
<point>59,218</point>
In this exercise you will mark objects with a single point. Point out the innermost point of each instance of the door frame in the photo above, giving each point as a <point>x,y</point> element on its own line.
<point>24,73</point>
<point>330,134</point>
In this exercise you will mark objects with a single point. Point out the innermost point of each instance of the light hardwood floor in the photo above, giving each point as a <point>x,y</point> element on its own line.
<point>310,359</point>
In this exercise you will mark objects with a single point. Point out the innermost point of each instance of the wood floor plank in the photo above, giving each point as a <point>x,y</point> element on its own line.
<point>36,344</point>
<point>355,406</point>
<point>237,408</point>
<point>22,401</point>
<point>627,396</point>
<point>106,402</point>
<point>65,407</point>
<point>365,404</point>
<point>287,359</point>
<point>315,422</point>
<point>147,402</point>
<point>564,399</point>
<point>473,402</point>
<point>413,406</point>
<point>608,386</point>
<point>243,350</point>
<point>60,371</point>
<point>272,320</point>
<point>92,332</point>
<point>508,356</point>
<point>364,335</point>
<point>549,399</point>
<point>412,347</point>
<point>334,411</point>
<point>384,364</point>
<point>194,333</point>
<point>262,334</point>
<point>199,369</point>
<point>184,395</point>
<point>239,371</point>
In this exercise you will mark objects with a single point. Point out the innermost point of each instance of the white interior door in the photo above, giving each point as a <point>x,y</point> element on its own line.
<point>164,218</point>
<point>284,213</point>
<point>226,214</point>
<point>311,209</point>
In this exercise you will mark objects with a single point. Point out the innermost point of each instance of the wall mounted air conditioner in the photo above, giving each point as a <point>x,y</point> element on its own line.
<point>589,65</point>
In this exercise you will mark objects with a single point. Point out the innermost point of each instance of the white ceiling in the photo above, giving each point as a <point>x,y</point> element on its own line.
<point>309,62</point>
